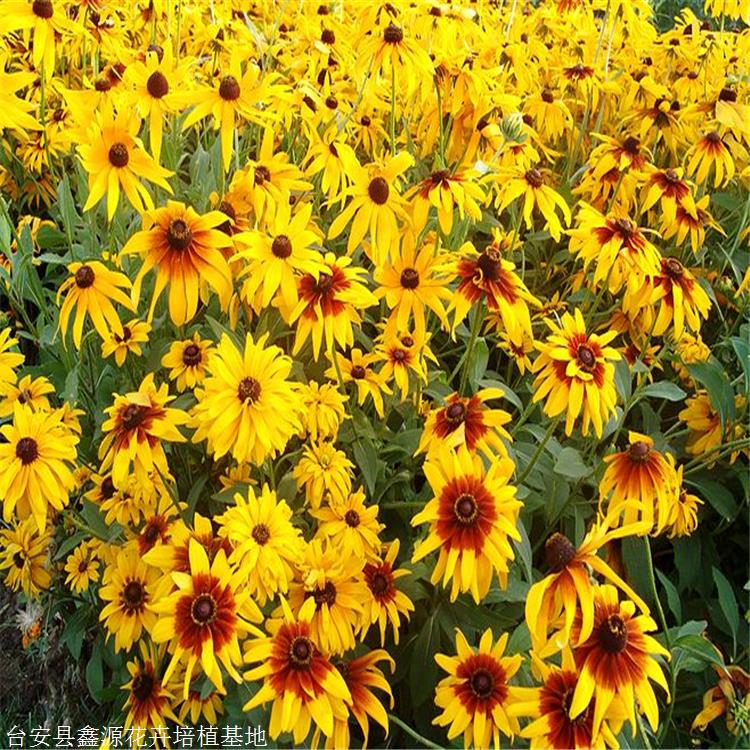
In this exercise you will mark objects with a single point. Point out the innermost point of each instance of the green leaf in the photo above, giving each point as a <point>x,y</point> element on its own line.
<point>636,564</point>
<point>697,647</point>
<point>424,668</point>
<point>75,628</point>
<point>367,460</point>
<point>742,349</point>
<point>195,493</point>
<point>720,391</point>
<point>727,602</point>
<point>673,598</point>
<point>718,496</point>
<point>69,544</point>
<point>524,550</point>
<point>95,671</point>
<point>570,464</point>
<point>478,365</point>
<point>664,389</point>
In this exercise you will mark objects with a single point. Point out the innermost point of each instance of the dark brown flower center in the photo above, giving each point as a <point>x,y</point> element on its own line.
<point>248,390</point>
<point>639,451</point>
<point>133,595</point>
<point>85,277</point>
<point>548,96</point>
<point>27,450</point>
<point>586,358</point>
<point>631,146</point>
<point>399,355</point>
<point>713,137</point>
<point>489,264</point>
<point>379,584</point>
<point>465,509</point>
<point>534,177</point>
<point>281,246</point>
<point>455,413</point>
<point>179,234</point>
<point>261,534</point>
<point>613,634</point>
<point>673,267</point>
<point>19,560</point>
<point>228,210</point>
<point>151,532</point>
<point>327,37</point>
<point>301,651</point>
<point>118,155</point>
<point>157,85</point>
<point>132,416</point>
<point>625,227</point>
<point>410,278</point>
<point>407,341</point>
<point>671,176</point>
<point>326,595</point>
<point>358,372</point>
<point>261,175</point>
<point>727,95</point>
<point>352,518</point>
<point>482,683</point>
<point>203,609</point>
<point>558,551</point>
<point>332,102</point>
<point>42,8</point>
<point>378,190</point>
<point>191,356</point>
<point>439,177</point>
<point>393,34</point>
<point>324,284</point>
<point>107,488</point>
<point>365,121</point>
<point>158,49</point>
<point>229,88</point>
<point>142,686</point>
<point>102,84</point>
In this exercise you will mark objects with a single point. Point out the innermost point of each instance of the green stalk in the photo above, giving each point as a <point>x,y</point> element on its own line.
<point>414,735</point>
<point>539,450</point>
<point>478,317</point>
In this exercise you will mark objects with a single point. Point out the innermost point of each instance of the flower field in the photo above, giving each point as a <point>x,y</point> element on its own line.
<point>374,373</point>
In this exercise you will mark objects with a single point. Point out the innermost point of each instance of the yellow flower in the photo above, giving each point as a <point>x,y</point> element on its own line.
<point>36,464</point>
<point>203,618</point>
<point>114,158</point>
<point>446,191</point>
<point>82,567</point>
<point>323,411</point>
<point>24,556</point>
<point>475,696</point>
<point>90,290</point>
<point>188,360</point>
<point>683,515</point>
<point>265,543</point>
<point>247,406</point>
<point>134,334</point>
<point>325,473</point>
<point>357,368</point>
<point>28,392</point>
<point>9,360</point>
<point>576,374</point>
<point>472,518</point>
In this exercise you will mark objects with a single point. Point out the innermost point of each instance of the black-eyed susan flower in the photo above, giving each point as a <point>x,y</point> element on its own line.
<point>576,374</point>
<point>137,424</point>
<point>149,701</point>
<point>487,275</point>
<point>446,191</point>
<point>285,248</point>
<point>639,482</point>
<point>704,424</point>
<point>264,542</point>
<point>325,473</point>
<point>31,392</point>
<point>710,151</point>
<point>91,289</point>
<point>467,421</point>
<point>202,620</point>
<point>616,246</point>
<point>549,706</point>
<point>24,557</point>
<point>246,406</point>
<point>683,513</point>
<point>385,603</point>
<point>329,305</point>
<point>36,464</point>
<point>298,678</point>
<point>331,157</point>
<point>617,661</point>
<point>82,567</point>
<point>414,281</point>
<point>134,333</point>
<point>730,697</point>
<point>361,675</point>
<point>402,354</point>
<point>531,183</point>
<point>187,360</point>
<point>358,368</point>
<point>9,360</point>
<point>129,589</point>
<point>114,158</point>
<point>472,518</point>
<point>187,251</point>
<point>668,188</point>
<point>568,587</point>
<point>350,526</point>
<point>323,411</point>
<point>199,703</point>
<point>329,594</point>
<point>15,112</point>
<point>375,206</point>
<point>475,696</point>
<point>692,225</point>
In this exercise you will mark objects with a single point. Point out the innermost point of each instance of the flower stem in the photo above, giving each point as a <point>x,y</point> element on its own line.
<point>539,450</point>
<point>414,735</point>
<point>478,316</point>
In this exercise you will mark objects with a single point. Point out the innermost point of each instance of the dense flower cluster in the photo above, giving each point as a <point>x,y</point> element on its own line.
<point>323,328</point>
